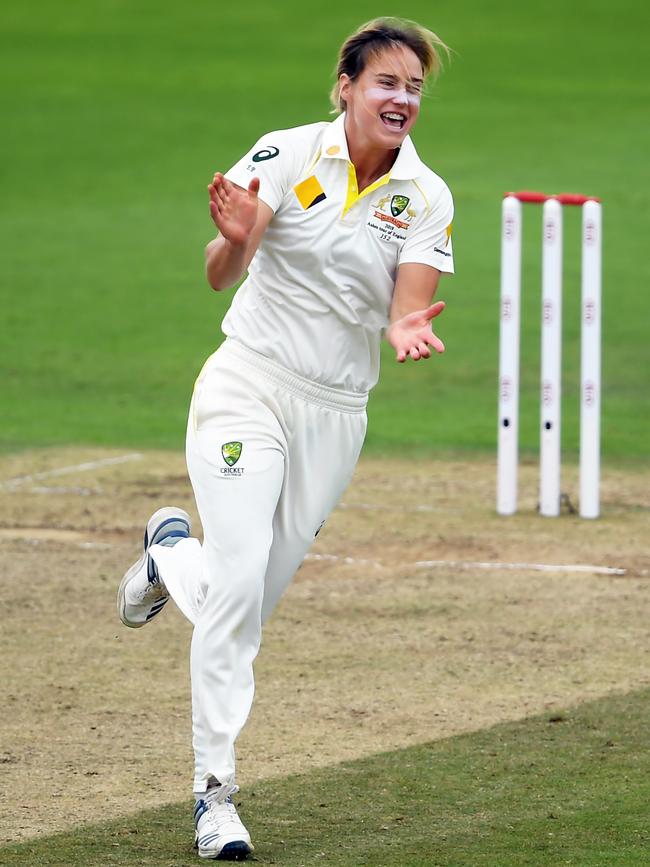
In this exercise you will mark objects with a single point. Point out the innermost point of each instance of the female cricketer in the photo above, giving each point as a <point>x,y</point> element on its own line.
<point>343,233</point>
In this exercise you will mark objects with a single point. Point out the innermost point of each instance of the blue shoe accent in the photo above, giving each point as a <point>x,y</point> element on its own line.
<point>152,571</point>
<point>237,851</point>
<point>157,607</point>
<point>179,528</point>
<point>199,809</point>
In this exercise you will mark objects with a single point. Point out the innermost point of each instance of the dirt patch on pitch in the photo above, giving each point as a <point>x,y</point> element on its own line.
<point>371,649</point>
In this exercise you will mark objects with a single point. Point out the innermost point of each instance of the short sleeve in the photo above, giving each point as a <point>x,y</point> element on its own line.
<point>273,161</point>
<point>430,243</point>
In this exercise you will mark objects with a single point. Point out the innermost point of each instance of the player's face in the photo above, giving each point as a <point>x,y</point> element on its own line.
<point>383,102</point>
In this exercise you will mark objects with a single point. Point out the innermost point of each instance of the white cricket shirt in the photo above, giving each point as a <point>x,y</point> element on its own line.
<point>319,288</point>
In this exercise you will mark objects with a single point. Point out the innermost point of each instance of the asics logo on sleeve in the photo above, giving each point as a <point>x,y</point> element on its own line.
<point>266,154</point>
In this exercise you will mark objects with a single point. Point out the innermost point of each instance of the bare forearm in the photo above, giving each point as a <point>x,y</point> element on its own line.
<point>225,263</point>
<point>413,294</point>
<point>409,332</point>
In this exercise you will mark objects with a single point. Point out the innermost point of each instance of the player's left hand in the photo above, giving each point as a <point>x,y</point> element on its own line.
<point>412,335</point>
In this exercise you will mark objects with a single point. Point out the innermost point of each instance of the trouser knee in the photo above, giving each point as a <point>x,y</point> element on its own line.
<point>235,587</point>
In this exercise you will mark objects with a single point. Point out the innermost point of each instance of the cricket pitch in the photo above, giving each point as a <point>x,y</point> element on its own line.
<point>391,634</point>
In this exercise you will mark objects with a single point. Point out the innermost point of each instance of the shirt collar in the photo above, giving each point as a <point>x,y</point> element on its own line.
<point>335,144</point>
<point>406,167</point>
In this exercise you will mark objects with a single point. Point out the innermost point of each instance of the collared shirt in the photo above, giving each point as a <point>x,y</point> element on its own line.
<point>319,288</point>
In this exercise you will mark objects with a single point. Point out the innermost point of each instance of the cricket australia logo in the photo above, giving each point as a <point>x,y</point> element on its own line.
<point>231,453</point>
<point>398,204</point>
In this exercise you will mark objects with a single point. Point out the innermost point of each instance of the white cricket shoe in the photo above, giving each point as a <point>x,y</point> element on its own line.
<point>142,593</point>
<point>220,833</point>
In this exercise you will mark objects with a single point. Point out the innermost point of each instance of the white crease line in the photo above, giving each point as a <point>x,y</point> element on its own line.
<point>465,565</point>
<point>469,564</point>
<point>76,468</point>
<point>336,558</point>
<point>523,567</point>
<point>378,507</point>
<point>82,492</point>
<point>90,546</point>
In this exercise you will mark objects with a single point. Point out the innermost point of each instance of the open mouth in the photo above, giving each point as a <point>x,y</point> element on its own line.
<point>393,120</point>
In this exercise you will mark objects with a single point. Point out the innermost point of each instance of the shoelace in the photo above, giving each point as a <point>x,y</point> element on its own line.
<point>152,591</point>
<point>219,816</point>
<point>222,812</point>
<point>220,808</point>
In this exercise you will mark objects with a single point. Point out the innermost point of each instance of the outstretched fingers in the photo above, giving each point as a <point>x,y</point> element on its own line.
<point>219,188</point>
<point>420,350</point>
<point>222,184</point>
<point>416,350</point>
<point>219,193</point>
<point>418,346</point>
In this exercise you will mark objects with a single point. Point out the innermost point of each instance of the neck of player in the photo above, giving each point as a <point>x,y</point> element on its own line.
<point>370,161</point>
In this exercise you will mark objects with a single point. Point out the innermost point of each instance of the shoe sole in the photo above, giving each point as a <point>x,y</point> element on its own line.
<point>121,595</point>
<point>164,517</point>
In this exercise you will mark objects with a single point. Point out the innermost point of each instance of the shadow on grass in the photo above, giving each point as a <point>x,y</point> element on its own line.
<point>564,788</point>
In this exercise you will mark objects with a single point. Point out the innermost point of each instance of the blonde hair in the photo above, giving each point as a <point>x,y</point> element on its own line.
<point>378,35</point>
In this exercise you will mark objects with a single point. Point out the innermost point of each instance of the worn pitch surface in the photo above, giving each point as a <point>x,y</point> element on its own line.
<point>370,650</point>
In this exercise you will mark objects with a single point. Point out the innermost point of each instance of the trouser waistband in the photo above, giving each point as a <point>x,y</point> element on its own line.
<point>314,392</point>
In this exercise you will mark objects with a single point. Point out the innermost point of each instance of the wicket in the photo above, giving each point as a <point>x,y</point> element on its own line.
<point>550,394</point>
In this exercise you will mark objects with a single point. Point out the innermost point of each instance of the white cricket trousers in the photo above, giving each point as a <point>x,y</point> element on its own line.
<point>269,454</point>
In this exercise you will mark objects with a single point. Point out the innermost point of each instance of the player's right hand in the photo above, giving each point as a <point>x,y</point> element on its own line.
<point>233,209</point>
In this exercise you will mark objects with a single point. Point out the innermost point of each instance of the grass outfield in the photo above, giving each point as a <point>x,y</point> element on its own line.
<point>117,114</point>
<point>563,788</point>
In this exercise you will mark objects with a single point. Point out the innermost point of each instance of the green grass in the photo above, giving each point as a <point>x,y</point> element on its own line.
<point>116,114</point>
<point>562,788</point>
